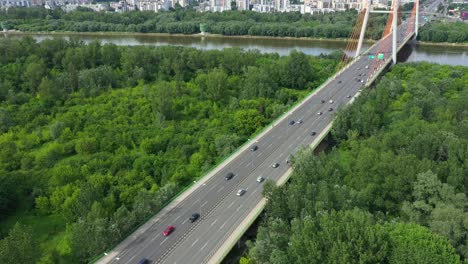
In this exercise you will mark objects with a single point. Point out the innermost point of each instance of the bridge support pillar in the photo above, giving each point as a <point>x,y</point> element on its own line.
<point>416,23</point>
<point>394,29</point>
<point>363,28</point>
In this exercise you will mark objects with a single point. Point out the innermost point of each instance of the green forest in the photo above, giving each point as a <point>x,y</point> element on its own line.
<point>187,21</point>
<point>94,139</point>
<point>392,190</point>
<point>437,31</point>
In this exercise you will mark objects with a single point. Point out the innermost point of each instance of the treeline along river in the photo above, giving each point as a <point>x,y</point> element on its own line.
<point>452,55</point>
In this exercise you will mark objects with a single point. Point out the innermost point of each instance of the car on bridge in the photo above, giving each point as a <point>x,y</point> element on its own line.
<point>168,230</point>
<point>229,176</point>
<point>241,192</point>
<point>144,261</point>
<point>194,217</point>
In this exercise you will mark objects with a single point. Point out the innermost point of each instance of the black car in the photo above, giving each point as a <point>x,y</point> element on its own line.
<point>313,133</point>
<point>229,176</point>
<point>330,109</point>
<point>144,261</point>
<point>194,217</point>
<point>291,122</point>
<point>339,81</point>
<point>254,148</point>
<point>322,101</point>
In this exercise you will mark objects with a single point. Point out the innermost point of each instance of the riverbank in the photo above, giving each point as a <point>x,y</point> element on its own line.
<point>199,35</point>
<point>208,35</point>
<point>442,44</point>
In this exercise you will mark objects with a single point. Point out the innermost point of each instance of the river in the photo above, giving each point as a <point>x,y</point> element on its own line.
<point>412,52</point>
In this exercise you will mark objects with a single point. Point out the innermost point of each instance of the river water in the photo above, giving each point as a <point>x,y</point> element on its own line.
<point>411,53</point>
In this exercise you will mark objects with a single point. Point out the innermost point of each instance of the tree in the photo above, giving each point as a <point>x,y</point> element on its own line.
<point>19,246</point>
<point>33,75</point>
<point>247,122</point>
<point>226,144</point>
<point>296,71</point>
<point>411,243</point>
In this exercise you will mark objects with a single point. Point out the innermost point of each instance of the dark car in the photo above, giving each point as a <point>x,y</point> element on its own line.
<point>322,101</point>
<point>194,217</point>
<point>229,176</point>
<point>313,133</point>
<point>291,122</point>
<point>339,81</point>
<point>144,261</point>
<point>330,109</point>
<point>254,148</point>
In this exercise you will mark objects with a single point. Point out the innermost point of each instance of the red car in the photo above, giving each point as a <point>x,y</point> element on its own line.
<point>168,230</point>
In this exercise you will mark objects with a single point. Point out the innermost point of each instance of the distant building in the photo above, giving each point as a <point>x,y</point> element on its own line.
<point>94,7</point>
<point>11,3</point>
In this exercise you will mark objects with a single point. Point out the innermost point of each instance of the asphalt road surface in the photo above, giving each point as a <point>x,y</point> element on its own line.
<point>220,209</point>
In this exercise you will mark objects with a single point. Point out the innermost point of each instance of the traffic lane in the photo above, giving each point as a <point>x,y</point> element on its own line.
<point>219,226</point>
<point>205,216</point>
<point>220,216</point>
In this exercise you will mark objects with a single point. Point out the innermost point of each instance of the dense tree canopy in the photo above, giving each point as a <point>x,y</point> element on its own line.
<point>96,138</point>
<point>455,32</point>
<point>187,21</point>
<point>394,188</point>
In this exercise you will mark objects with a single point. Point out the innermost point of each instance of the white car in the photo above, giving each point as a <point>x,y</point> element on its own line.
<point>241,192</point>
<point>331,101</point>
<point>260,179</point>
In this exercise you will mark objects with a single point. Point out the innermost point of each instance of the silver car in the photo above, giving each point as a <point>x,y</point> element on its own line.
<point>241,192</point>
